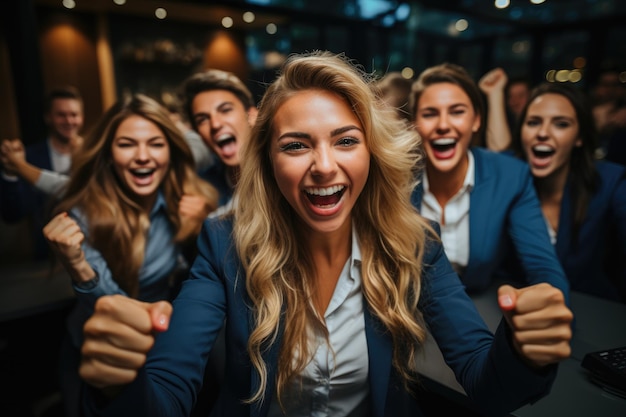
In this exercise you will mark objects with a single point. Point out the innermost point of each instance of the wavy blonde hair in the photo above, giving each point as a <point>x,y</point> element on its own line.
<point>391,233</point>
<point>118,225</point>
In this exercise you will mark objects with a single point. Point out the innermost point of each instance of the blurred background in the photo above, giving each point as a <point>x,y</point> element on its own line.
<point>107,47</point>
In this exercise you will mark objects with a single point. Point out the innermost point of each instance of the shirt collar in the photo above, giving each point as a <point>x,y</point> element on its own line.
<point>159,204</point>
<point>355,257</point>
<point>356,249</point>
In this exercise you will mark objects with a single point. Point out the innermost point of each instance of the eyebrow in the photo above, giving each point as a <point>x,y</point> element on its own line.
<point>334,132</point>
<point>135,140</point>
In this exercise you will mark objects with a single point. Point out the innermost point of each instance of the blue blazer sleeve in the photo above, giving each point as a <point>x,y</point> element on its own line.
<point>168,384</point>
<point>505,214</point>
<point>487,367</point>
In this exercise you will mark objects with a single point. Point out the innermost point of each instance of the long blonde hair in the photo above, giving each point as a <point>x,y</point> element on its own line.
<point>117,224</point>
<point>391,233</point>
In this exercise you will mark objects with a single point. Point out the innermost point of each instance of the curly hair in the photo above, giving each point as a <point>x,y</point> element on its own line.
<point>391,233</point>
<point>118,225</point>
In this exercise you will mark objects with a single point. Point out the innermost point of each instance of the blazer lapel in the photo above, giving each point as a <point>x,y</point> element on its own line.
<point>270,357</point>
<point>379,353</point>
<point>480,203</point>
<point>416,196</point>
<point>564,231</point>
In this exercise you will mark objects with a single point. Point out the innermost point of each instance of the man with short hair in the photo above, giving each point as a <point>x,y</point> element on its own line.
<point>63,115</point>
<point>222,110</point>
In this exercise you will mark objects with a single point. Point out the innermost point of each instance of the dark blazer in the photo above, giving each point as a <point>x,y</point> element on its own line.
<point>215,295</point>
<point>505,215</point>
<point>20,199</point>
<point>595,262</point>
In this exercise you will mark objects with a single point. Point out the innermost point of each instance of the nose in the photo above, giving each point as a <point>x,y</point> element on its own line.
<point>442,123</point>
<point>324,162</point>
<point>143,153</point>
<point>215,122</point>
<point>543,133</point>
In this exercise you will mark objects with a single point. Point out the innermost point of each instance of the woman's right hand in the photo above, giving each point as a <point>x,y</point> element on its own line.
<point>118,337</point>
<point>65,237</point>
<point>493,81</point>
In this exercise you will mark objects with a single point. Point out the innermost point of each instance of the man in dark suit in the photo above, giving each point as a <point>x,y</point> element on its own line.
<point>64,119</point>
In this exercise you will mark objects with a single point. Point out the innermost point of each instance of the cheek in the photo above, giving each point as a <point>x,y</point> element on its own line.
<point>164,158</point>
<point>286,178</point>
<point>422,127</point>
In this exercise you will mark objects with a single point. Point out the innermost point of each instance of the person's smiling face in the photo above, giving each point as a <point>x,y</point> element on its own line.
<point>550,132</point>
<point>141,156</point>
<point>320,159</point>
<point>65,118</point>
<point>446,120</point>
<point>223,123</point>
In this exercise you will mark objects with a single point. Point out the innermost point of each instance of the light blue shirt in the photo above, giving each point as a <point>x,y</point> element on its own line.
<point>335,382</point>
<point>160,262</point>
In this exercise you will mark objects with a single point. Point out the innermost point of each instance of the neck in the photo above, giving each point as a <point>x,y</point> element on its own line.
<point>551,188</point>
<point>444,185</point>
<point>233,174</point>
<point>331,248</point>
<point>61,144</point>
<point>147,203</point>
<point>329,253</point>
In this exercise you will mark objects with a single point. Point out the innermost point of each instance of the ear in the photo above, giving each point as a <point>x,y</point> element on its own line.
<point>253,112</point>
<point>578,143</point>
<point>476,124</point>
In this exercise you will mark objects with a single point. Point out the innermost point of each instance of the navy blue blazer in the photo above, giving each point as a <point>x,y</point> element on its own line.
<point>20,199</point>
<point>505,215</point>
<point>595,262</point>
<point>215,296</point>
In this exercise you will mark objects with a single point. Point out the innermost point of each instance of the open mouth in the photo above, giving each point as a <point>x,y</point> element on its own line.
<point>442,145</point>
<point>225,140</point>
<point>543,151</point>
<point>325,197</point>
<point>142,172</point>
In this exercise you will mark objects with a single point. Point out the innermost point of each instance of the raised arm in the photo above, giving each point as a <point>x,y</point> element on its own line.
<point>498,132</point>
<point>13,158</point>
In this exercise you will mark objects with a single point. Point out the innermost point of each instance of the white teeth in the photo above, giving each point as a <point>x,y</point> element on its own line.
<point>224,137</point>
<point>542,148</point>
<point>325,191</point>
<point>143,171</point>
<point>444,142</point>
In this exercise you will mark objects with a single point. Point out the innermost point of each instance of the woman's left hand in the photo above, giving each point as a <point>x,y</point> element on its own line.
<point>194,206</point>
<point>540,322</point>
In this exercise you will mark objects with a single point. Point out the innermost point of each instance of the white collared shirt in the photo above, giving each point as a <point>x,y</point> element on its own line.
<point>335,382</point>
<point>455,232</point>
<point>61,162</point>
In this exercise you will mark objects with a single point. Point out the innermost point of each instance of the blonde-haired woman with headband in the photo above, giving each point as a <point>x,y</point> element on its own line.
<point>131,211</point>
<point>328,278</point>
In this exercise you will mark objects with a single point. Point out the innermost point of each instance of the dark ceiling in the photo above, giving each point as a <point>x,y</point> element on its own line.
<point>436,16</point>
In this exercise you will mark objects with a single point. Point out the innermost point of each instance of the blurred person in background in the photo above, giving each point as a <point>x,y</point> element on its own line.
<point>20,198</point>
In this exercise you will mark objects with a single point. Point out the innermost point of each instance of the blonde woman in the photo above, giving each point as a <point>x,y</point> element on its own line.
<point>328,278</point>
<point>133,206</point>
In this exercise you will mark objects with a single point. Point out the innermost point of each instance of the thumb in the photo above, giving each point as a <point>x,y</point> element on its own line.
<point>507,298</point>
<point>160,313</point>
